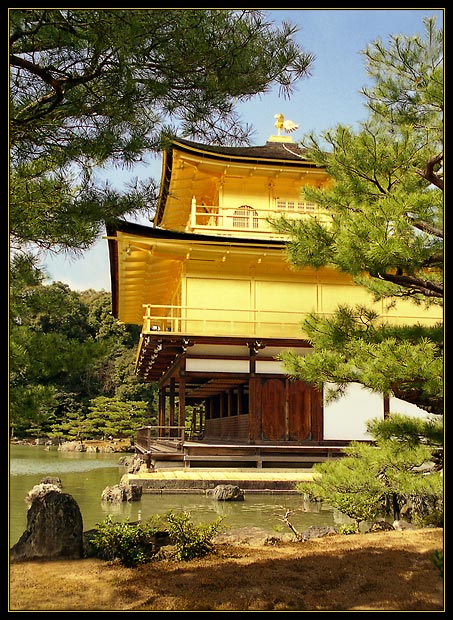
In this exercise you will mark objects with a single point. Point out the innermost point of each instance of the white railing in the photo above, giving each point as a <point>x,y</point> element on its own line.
<point>222,321</point>
<point>245,218</point>
<point>192,320</point>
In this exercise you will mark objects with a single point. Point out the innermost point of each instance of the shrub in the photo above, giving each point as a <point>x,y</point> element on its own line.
<point>191,540</point>
<point>131,544</point>
<point>437,559</point>
<point>400,470</point>
<point>348,528</point>
<point>134,544</point>
<point>347,485</point>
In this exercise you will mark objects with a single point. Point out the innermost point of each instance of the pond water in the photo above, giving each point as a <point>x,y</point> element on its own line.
<point>85,475</point>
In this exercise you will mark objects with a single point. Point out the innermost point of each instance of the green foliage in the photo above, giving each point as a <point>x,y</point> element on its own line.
<point>437,559</point>
<point>133,544</point>
<point>347,529</point>
<point>412,431</point>
<point>102,322</point>
<point>191,540</point>
<point>372,476</point>
<point>385,204</point>
<point>31,409</point>
<point>110,416</point>
<point>347,486</point>
<point>121,382</point>
<point>66,349</point>
<point>433,518</point>
<point>353,345</point>
<point>130,543</point>
<point>408,77</point>
<point>98,88</point>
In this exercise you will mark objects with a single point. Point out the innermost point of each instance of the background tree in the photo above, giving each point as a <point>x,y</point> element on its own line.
<point>51,348</point>
<point>113,417</point>
<point>91,88</point>
<point>385,207</point>
<point>65,350</point>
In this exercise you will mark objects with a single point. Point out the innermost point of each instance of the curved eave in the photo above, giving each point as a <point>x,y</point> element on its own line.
<point>145,263</point>
<point>151,232</point>
<point>113,259</point>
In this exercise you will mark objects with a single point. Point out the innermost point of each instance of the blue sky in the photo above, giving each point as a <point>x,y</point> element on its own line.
<point>321,101</point>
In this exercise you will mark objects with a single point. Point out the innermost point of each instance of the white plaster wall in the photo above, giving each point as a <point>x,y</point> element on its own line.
<point>210,365</point>
<point>345,418</point>
<point>269,366</point>
<point>396,405</point>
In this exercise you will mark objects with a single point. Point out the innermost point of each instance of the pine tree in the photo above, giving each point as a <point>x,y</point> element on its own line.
<point>372,479</point>
<point>385,208</point>
<point>96,88</point>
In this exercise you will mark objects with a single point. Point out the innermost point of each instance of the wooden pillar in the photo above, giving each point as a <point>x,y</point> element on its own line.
<point>240,399</point>
<point>287,425</point>
<point>182,390</point>
<point>172,403</point>
<point>182,403</point>
<point>193,421</point>
<point>255,422</point>
<point>161,416</point>
<point>317,414</point>
<point>203,414</point>
<point>255,414</point>
<point>230,403</point>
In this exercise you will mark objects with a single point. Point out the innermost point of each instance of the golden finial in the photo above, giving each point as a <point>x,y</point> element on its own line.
<point>287,126</point>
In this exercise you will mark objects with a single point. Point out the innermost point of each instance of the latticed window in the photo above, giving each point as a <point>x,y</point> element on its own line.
<point>245,217</point>
<point>292,205</point>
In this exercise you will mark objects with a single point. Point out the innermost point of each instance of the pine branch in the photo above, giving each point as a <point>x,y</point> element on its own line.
<point>428,172</point>
<point>416,285</point>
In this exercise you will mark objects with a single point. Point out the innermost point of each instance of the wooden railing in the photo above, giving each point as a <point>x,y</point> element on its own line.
<point>145,435</point>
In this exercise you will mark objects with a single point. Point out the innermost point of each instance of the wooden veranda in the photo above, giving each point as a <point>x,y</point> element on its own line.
<point>158,444</point>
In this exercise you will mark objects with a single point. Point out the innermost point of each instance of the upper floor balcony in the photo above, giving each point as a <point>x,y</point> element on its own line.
<point>205,321</point>
<point>250,322</point>
<point>247,221</point>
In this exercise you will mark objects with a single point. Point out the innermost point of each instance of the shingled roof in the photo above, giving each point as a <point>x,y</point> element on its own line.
<point>270,151</point>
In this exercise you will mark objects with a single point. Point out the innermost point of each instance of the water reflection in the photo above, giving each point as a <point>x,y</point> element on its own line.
<point>85,475</point>
<point>264,511</point>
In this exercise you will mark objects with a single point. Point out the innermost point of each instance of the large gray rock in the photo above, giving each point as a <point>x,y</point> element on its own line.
<point>318,531</point>
<point>226,493</point>
<point>54,529</point>
<point>72,446</point>
<point>122,492</point>
<point>403,525</point>
<point>41,489</point>
<point>381,526</point>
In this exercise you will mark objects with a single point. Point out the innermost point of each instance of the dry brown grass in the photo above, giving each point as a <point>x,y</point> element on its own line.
<point>376,571</point>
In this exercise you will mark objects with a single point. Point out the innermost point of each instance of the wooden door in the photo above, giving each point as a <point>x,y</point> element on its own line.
<point>299,411</point>
<point>273,407</point>
<point>289,410</point>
